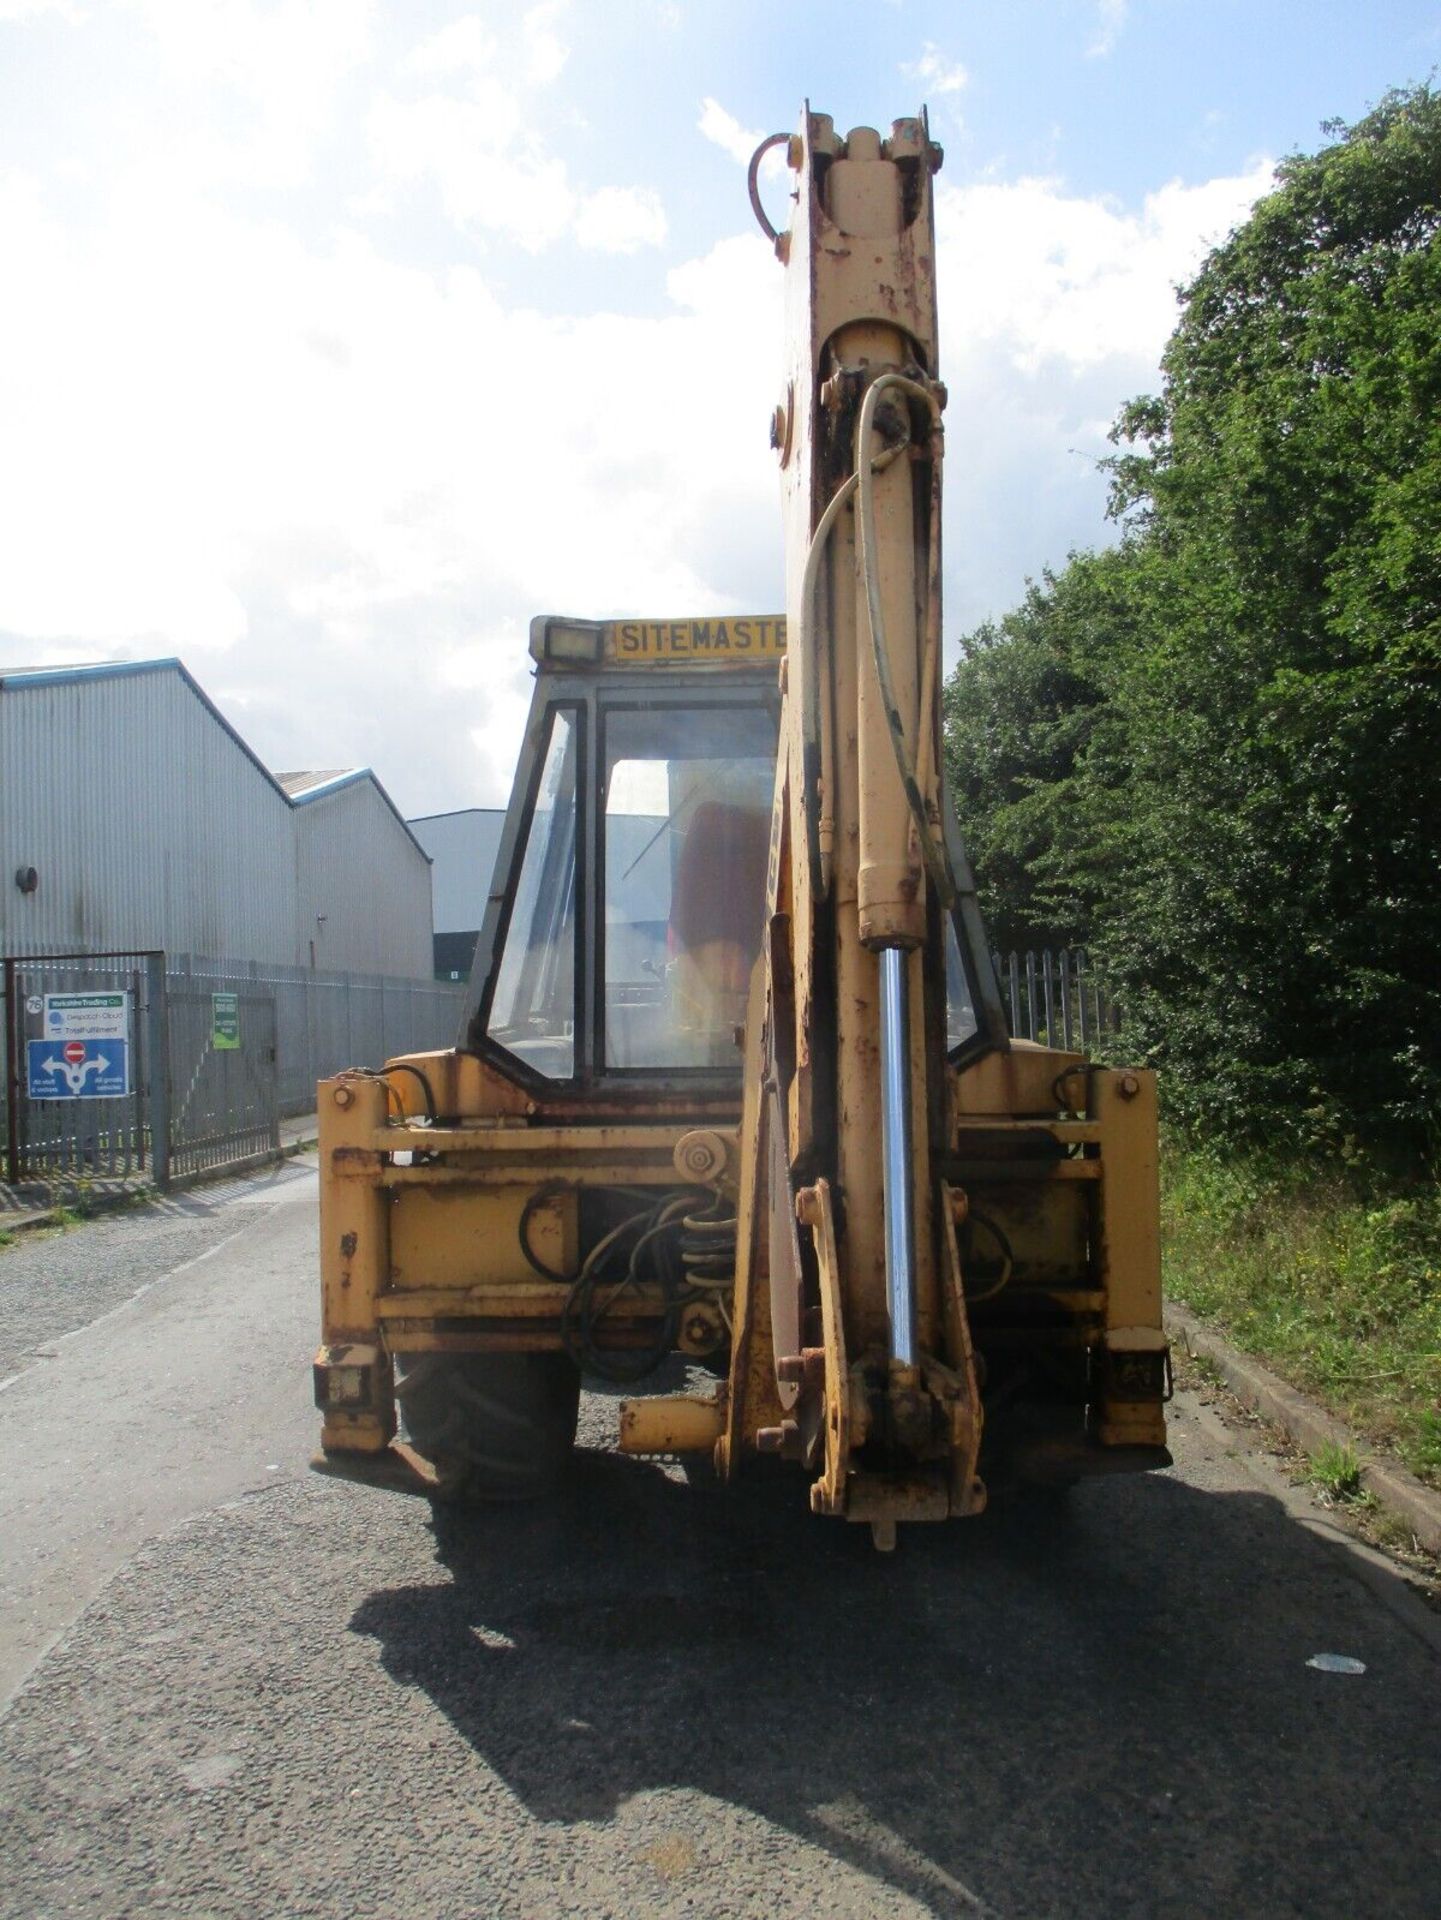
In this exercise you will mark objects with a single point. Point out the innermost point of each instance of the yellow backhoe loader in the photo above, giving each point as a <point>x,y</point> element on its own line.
<point>734,1081</point>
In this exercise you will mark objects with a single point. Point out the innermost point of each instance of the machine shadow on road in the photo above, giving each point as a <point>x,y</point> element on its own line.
<point>1103,1710</point>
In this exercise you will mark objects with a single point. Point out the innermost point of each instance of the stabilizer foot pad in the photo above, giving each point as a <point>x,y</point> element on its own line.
<point>396,1469</point>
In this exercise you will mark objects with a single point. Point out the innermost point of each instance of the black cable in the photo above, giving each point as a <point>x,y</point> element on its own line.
<point>656,1237</point>
<point>1008,1258</point>
<point>1058,1094</point>
<point>532,1206</point>
<point>404,1066</point>
<point>753,183</point>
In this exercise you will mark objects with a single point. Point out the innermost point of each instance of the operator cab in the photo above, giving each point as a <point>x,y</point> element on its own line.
<point>628,902</point>
<point>629,893</point>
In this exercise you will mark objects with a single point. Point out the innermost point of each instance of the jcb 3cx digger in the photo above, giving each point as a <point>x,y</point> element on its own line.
<point>734,1080</point>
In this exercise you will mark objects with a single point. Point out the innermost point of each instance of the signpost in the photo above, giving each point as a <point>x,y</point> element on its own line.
<point>225,1022</point>
<point>85,1051</point>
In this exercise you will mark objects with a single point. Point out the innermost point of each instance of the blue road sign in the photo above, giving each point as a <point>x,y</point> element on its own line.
<point>78,1069</point>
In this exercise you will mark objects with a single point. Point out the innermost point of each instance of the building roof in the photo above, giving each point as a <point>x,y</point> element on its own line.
<point>309,786</point>
<point>297,783</point>
<point>452,813</point>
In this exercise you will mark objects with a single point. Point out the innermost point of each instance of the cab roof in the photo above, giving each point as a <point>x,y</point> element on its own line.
<point>720,640</point>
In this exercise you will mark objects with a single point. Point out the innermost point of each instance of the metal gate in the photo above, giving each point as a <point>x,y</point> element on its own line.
<point>116,1067</point>
<point>224,1103</point>
<point>84,1037</point>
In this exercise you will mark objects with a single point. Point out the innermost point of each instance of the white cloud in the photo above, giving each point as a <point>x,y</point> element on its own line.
<point>270,75</point>
<point>723,130</point>
<point>1077,281</point>
<point>472,151</point>
<point>935,72</point>
<point>1054,310</point>
<point>620,220</point>
<point>465,46</point>
<point>1110,18</point>
<point>492,176</point>
<point>353,481</point>
<point>469,46</point>
<point>546,52</point>
<point>479,142</point>
<point>356,480</point>
<point>726,131</point>
<point>32,9</point>
<point>340,483</point>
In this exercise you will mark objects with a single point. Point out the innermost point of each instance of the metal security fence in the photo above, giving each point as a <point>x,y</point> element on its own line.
<point>169,1065</point>
<point>325,1022</point>
<point>222,1091</point>
<point>82,1035</point>
<point>1056,998</point>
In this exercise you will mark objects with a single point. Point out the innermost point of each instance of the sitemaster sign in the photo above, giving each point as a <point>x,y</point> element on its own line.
<point>85,1054</point>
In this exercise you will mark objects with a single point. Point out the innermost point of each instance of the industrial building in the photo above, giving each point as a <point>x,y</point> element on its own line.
<point>133,816</point>
<point>462,847</point>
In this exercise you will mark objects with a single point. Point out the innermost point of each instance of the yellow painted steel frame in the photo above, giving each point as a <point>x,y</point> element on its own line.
<point>420,1248</point>
<point>424,1256</point>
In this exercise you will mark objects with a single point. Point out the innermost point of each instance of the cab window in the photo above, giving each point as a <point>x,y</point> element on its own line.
<point>686,813</point>
<point>532,1011</point>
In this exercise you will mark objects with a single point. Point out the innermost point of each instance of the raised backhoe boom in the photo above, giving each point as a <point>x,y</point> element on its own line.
<point>853,1045</point>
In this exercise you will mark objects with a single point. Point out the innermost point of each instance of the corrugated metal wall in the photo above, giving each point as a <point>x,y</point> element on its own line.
<point>364,885</point>
<point>463,846</point>
<point>150,825</point>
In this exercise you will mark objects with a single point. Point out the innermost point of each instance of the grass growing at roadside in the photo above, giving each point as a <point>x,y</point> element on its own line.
<point>1336,1471</point>
<point>1334,1277</point>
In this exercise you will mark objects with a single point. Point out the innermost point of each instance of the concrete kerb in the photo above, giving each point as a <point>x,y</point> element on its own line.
<point>1310,1427</point>
<point>295,1137</point>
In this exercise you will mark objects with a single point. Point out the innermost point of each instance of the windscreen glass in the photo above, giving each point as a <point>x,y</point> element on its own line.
<point>686,822</point>
<point>532,1012</point>
<point>961,1022</point>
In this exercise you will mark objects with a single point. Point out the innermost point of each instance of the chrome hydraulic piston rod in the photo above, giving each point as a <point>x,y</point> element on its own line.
<point>896,1153</point>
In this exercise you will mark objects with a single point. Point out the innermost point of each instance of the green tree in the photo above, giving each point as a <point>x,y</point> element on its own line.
<point>1253,801</point>
<point>1021,712</point>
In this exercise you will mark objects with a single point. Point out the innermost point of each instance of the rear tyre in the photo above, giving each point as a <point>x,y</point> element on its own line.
<point>495,1426</point>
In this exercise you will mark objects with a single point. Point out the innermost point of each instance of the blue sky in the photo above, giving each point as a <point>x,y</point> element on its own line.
<point>351,333</point>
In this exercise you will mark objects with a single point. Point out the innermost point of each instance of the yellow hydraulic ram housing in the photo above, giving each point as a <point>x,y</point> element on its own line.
<point>734,1082</point>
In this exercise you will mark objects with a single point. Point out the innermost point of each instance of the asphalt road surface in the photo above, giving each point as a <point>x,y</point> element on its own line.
<point>241,1690</point>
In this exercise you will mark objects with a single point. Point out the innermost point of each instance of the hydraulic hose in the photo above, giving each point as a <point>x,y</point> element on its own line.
<point>932,852</point>
<point>821,856</point>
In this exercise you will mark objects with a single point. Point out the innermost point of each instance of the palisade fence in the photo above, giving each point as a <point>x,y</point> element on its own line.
<point>191,1061</point>
<point>325,1022</point>
<point>1056,998</point>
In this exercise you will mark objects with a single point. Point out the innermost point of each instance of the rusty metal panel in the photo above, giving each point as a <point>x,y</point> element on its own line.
<point>456,1237</point>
